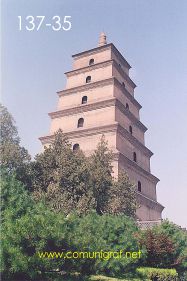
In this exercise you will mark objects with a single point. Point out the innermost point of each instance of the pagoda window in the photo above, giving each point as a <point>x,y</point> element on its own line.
<point>134,157</point>
<point>91,61</point>
<point>80,123</point>
<point>88,79</point>
<point>84,99</point>
<point>130,129</point>
<point>127,106</point>
<point>139,186</point>
<point>76,147</point>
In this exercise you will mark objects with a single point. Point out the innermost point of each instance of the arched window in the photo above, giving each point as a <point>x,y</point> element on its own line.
<point>80,123</point>
<point>127,106</point>
<point>88,79</point>
<point>91,61</point>
<point>123,84</point>
<point>76,147</point>
<point>84,99</point>
<point>130,129</point>
<point>134,157</point>
<point>139,186</point>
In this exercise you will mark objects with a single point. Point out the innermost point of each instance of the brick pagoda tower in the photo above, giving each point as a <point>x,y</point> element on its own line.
<point>99,99</point>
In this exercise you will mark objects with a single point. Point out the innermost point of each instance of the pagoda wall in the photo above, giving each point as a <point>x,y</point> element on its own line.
<point>148,187</point>
<point>123,99</point>
<point>121,78</point>
<point>78,79</point>
<point>92,118</point>
<point>125,122</point>
<point>120,62</point>
<point>148,214</point>
<point>94,95</point>
<point>100,56</point>
<point>127,149</point>
<point>88,143</point>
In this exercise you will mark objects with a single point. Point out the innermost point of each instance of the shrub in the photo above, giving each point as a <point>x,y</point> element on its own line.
<point>26,229</point>
<point>160,249</point>
<point>29,228</point>
<point>158,274</point>
<point>107,233</point>
<point>166,246</point>
<point>179,238</point>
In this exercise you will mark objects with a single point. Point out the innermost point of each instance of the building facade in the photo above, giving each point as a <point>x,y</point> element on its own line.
<point>99,99</point>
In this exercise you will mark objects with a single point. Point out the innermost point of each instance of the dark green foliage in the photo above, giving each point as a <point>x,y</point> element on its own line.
<point>61,177</point>
<point>14,200</point>
<point>158,274</point>
<point>101,175</point>
<point>8,129</point>
<point>122,197</point>
<point>107,233</point>
<point>14,158</point>
<point>29,228</point>
<point>67,180</point>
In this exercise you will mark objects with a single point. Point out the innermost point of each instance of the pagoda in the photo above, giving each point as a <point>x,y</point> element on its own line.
<point>99,100</point>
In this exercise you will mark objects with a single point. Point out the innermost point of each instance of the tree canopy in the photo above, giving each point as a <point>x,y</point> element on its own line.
<point>14,157</point>
<point>68,180</point>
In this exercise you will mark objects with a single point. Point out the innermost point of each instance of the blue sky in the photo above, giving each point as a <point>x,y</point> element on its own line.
<point>152,36</point>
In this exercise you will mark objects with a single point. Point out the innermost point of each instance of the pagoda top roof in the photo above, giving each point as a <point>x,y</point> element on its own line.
<point>100,48</point>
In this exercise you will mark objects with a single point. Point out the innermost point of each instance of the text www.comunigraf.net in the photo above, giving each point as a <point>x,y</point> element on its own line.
<point>103,255</point>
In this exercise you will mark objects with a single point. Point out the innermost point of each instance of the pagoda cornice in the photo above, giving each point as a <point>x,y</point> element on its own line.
<point>102,130</point>
<point>131,116</point>
<point>122,72</point>
<point>126,93</point>
<point>83,108</point>
<point>88,68</point>
<point>144,200</point>
<point>134,166</point>
<point>121,130</point>
<point>92,51</point>
<point>86,86</point>
<point>97,105</point>
<point>81,132</point>
<point>101,65</point>
<point>115,127</point>
<point>109,46</point>
<point>100,83</point>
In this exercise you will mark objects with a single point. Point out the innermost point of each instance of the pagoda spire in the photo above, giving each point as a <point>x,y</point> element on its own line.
<point>102,39</point>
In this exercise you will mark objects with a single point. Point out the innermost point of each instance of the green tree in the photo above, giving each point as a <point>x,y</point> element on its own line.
<point>101,179</point>
<point>14,158</point>
<point>13,196</point>
<point>114,196</point>
<point>27,228</point>
<point>67,180</point>
<point>61,177</point>
<point>122,199</point>
<point>179,239</point>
